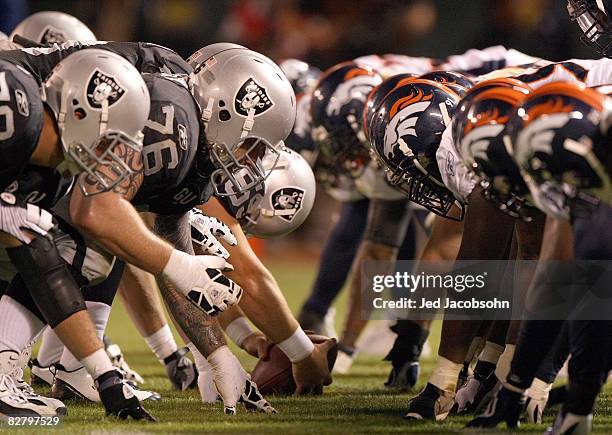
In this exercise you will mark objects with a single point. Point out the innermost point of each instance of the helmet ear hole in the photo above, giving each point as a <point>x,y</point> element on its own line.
<point>79,113</point>
<point>224,115</point>
<point>221,103</point>
<point>75,102</point>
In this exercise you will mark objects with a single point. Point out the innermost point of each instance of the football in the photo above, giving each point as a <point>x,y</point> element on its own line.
<point>273,374</point>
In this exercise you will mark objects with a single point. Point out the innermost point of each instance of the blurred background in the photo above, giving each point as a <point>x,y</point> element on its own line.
<point>324,32</point>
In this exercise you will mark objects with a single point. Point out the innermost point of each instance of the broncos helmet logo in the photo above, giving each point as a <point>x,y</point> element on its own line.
<point>356,88</point>
<point>404,116</point>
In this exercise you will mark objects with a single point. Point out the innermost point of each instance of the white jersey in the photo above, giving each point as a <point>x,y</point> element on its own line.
<point>455,175</point>
<point>388,65</point>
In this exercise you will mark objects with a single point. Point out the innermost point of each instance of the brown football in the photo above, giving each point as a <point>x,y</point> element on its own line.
<point>274,376</point>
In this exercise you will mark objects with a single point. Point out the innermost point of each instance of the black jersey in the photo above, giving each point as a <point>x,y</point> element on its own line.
<point>21,120</point>
<point>146,57</point>
<point>170,137</point>
<point>41,186</point>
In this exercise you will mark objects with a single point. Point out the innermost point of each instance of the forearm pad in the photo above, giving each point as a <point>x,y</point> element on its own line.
<point>49,281</point>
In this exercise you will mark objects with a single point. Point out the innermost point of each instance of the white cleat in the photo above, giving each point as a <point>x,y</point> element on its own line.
<point>41,375</point>
<point>78,385</point>
<point>573,424</point>
<point>29,393</point>
<point>344,362</point>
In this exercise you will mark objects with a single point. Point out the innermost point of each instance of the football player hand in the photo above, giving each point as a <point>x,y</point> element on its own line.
<point>256,345</point>
<point>22,220</point>
<point>228,376</point>
<point>312,373</point>
<point>199,278</point>
<point>254,401</point>
<point>205,230</point>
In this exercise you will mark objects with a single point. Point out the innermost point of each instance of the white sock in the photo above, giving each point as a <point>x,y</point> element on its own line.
<point>491,352</point>
<point>51,348</point>
<point>162,343</point>
<point>18,325</point>
<point>99,313</point>
<point>503,364</point>
<point>445,374</point>
<point>97,363</point>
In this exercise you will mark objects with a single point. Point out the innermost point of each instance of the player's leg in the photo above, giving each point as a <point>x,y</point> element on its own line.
<point>336,258</point>
<point>385,232</point>
<point>138,292</point>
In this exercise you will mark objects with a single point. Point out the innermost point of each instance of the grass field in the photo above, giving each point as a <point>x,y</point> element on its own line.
<point>355,403</point>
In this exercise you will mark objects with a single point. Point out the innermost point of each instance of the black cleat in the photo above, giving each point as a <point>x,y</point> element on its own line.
<point>430,404</point>
<point>404,377</point>
<point>181,371</point>
<point>505,407</point>
<point>118,397</point>
<point>475,394</point>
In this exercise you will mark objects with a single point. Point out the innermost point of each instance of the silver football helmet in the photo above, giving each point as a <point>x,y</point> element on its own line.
<point>49,27</point>
<point>303,77</point>
<point>248,108</point>
<point>290,190</point>
<point>101,104</point>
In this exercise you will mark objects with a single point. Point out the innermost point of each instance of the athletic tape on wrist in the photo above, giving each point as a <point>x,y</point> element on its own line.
<point>297,347</point>
<point>238,330</point>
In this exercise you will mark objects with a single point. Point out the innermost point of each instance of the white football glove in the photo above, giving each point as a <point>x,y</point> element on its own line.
<point>16,219</point>
<point>233,384</point>
<point>199,278</point>
<point>206,229</point>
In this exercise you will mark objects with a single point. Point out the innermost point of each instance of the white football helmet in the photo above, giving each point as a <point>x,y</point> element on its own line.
<point>248,108</point>
<point>290,190</point>
<point>101,104</point>
<point>49,27</point>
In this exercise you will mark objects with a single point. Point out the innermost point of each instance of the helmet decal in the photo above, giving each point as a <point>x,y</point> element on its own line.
<point>357,88</point>
<point>287,201</point>
<point>251,95</point>
<point>484,118</point>
<point>103,87</point>
<point>552,105</point>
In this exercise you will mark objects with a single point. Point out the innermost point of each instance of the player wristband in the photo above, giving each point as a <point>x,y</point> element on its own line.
<point>238,330</point>
<point>297,347</point>
<point>175,269</point>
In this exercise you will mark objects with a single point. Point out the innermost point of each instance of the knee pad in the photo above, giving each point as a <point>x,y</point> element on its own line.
<point>48,279</point>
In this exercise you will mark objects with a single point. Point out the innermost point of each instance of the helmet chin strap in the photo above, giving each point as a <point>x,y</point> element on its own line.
<point>272,213</point>
<point>103,117</point>
<point>248,123</point>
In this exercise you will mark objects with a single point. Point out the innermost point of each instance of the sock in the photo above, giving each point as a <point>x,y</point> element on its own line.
<point>99,312</point>
<point>162,343</point>
<point>445,374</point>
<point>503,364</point>
<point>491,352</point>
<point>18,326</point>
<point>97,363</point>
<point>51,348</point>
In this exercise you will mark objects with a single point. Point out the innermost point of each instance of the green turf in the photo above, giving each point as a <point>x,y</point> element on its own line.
<point>355,403</point>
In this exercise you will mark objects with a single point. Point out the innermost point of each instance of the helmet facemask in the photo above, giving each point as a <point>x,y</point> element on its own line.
<point>595,25</point>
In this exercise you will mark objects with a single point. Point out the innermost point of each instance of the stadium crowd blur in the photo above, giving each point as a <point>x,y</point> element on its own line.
<point>325,32</point>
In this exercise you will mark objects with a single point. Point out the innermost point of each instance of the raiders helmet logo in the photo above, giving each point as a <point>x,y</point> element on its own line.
<point>51,35</point>
<point>287,202</point>
<point>252,96</point>
<point>103,87</point>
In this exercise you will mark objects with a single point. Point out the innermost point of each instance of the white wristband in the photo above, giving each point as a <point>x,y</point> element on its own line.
<point>297,347</point>
<point>238,330</point>
<point>175,270</point>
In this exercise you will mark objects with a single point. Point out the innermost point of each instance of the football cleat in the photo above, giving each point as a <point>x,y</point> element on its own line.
<point>404,376</point>
<point>505,407</point>
<point>119,398</point>
<point>13,403</point>
<point>475,393</point>
<point>568,423</point>
<point>118,360</point>
<point>182,373</point>
<point>78,385</point>
<point>41,376</point>
<point>464,374</point>
<point>29,393</point>
<point>430,404</point>
<point>344,360</point>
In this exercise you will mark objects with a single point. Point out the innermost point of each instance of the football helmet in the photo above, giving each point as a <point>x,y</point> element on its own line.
<point>406,136</point>
<point>560,141</point>
<point>479,129</point>
<point>290,191</point>
<point>302,76</point>
<point>100,103</point>
<point>337,114</point>
<point>456,82</point>
<point>49,27</point>
<point>248,107</point>
<point>594,19</point>
<point>377,95</point>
